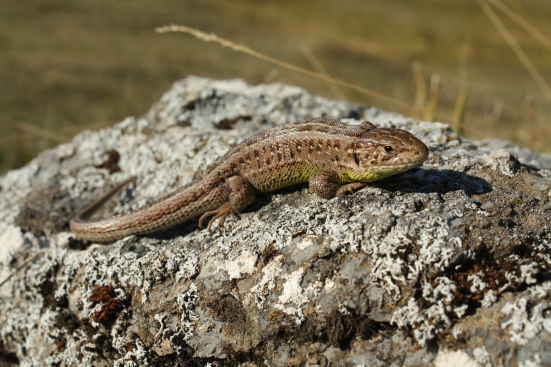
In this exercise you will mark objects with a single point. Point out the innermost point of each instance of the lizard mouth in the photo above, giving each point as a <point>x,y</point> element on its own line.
<point>399,166</point>
<point>375,173</point>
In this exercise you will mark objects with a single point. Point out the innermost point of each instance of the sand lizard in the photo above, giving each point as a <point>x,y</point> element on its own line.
<point>333,157</point>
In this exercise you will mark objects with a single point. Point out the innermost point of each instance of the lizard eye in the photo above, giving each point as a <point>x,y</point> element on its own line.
<point>357,158</point>
<point>388,149</point>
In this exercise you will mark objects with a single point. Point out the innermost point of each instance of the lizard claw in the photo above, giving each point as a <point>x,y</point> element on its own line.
<point>222,212</point>
<point>350,188</point>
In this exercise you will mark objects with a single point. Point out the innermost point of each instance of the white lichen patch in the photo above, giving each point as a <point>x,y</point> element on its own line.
<point>11,241</point>
<point>446,358</point>
<point>431,320</point>
<point>503,161</point>
<point>241,265</point>
<point>477,283</point>
<point>267,283</point>
<point>187,303</point>
<point>525,323</point>
<point>489,299</point>
<point>293,294</point>
<point>14,187</point>
<point>536,361</point>
<point>482,357</point>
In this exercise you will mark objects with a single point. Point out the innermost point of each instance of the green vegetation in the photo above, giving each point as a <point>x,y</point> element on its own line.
<point>66,66</point>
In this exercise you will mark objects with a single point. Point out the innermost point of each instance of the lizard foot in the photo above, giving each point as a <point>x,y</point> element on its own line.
<point>350,188</point>
<point>222,212</point>
<point>241,195</point>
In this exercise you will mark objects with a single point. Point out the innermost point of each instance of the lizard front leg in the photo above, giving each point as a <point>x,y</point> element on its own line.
<point>327,184</point>
<point>241,195</point>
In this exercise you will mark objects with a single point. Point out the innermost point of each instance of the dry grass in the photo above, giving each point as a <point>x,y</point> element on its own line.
<point>459,107</point>
<point>508,37</point>
<point>534,32</point>
<point>211,37</point>
<point>67,66</point>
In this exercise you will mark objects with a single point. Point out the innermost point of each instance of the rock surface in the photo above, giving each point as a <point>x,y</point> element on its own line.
<point>448,263</point>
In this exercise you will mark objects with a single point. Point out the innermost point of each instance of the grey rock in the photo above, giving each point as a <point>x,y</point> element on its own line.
<point>446,262</point>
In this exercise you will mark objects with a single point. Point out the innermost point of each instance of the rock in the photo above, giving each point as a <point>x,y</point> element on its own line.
<point>447,262</point>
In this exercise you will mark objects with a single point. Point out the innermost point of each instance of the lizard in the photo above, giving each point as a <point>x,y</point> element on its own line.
<point>332,156</point>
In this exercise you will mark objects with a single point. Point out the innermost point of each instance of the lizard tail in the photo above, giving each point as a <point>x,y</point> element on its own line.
<point>182,204</point>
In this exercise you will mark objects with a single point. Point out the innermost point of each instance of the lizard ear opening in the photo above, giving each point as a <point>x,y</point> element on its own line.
<point>357,158</point>
<point>368,125</point>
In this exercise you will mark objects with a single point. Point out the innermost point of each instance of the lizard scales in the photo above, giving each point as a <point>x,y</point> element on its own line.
<point>332,156</point>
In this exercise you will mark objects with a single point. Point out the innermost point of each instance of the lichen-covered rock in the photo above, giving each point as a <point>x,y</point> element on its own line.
<point>447,263</point>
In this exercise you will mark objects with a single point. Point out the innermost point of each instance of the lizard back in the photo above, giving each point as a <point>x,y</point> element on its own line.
<point>290,154</point>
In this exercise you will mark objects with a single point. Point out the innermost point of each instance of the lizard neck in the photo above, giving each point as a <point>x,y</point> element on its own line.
<point>350,174</point>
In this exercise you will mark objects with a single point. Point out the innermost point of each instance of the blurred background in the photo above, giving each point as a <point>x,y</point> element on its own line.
<point>66,66</point>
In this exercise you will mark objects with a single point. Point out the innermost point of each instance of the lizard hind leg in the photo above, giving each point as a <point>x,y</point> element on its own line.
<point>241,195</point>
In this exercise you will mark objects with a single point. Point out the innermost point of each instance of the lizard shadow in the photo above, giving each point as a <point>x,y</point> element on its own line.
<point>417,180</point>
<point>435,181</point>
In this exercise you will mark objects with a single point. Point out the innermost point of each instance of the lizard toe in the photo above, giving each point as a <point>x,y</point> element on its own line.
<point>350,188</point>
<point>222,212</point>
<point>204,216</point>
<point>222,217</point>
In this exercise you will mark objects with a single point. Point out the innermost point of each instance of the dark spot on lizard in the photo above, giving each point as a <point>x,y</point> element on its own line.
<point>357,158</point>
<point>319,148</point>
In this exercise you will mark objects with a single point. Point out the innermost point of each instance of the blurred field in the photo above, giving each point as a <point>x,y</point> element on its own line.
<point>66,66</point>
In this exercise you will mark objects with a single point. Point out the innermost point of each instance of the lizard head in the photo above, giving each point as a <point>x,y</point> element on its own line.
<point>379,153</point>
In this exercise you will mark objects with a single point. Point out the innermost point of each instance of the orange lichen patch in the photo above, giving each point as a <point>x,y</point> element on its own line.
<point>501,274</point>
<point>342,329</point>
<point>228,309</point>
<point>111,161</point>
<point>60,343</point>
<point>110,305</point>
<point>491,275</point>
